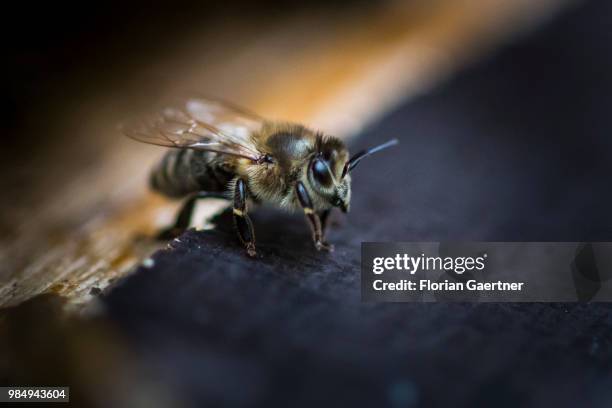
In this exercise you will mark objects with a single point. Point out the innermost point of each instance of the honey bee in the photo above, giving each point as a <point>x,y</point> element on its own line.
<point>225,151</point>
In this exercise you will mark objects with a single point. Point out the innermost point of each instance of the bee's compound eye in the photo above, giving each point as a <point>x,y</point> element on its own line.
<point>320,171</point>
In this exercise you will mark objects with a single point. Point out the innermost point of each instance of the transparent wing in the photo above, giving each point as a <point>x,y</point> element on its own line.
<point>201,124</point>
<point>224,116</point>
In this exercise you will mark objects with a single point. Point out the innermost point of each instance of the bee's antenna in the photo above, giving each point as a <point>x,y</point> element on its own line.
<point>353,161</point>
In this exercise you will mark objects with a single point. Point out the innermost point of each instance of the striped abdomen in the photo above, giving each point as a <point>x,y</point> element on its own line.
<point>185,171</point>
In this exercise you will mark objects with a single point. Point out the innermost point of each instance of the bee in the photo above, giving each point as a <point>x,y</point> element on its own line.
<point>224,151</point>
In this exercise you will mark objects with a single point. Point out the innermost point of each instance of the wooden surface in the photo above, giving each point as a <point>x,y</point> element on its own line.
<point>80,217</point>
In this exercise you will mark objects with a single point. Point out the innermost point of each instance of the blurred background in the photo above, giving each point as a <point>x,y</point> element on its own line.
<point>502,112</point>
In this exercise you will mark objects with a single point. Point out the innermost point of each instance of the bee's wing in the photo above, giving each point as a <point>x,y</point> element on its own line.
<point>201,124</point>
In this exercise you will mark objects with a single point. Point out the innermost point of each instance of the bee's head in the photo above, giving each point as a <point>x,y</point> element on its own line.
<point>325,172</point>
<point>330,167</point>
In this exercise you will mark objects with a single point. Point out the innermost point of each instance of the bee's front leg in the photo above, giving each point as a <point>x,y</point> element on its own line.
<point>324,217</point>
<point>312,217</point>
<point>243,223</point>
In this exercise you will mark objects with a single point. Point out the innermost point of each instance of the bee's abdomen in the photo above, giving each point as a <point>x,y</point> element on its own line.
<point>182,172</point>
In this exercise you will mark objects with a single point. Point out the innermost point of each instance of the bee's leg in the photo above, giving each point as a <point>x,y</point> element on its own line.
<point>324,217</point>
<point>312,217</point>
<point>184,216</point>
<point>243,223</point>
